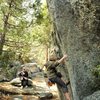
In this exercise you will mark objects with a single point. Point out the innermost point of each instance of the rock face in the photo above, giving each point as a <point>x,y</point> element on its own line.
<point>94,96</point>
<point>77,33</point>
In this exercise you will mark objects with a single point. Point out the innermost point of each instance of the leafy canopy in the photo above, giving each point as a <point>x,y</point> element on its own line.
<point>28,28</point>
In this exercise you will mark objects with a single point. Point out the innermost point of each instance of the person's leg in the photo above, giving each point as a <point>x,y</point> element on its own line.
<point>66,93</point>
<point>27,82</point>
<point>22,83</point>
<point>66,82</point>
<point>61,83</point>
<point>67,96</point>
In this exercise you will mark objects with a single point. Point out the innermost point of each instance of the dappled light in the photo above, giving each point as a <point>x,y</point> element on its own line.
<point>49,50</point>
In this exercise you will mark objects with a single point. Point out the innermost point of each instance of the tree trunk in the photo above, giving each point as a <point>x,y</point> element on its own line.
<point>2,36</point>
<point>2,40</point>
<point>76,30</point>
<point>47,51</point>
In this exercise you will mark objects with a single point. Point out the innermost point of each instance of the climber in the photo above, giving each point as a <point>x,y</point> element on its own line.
<point>52,73</point>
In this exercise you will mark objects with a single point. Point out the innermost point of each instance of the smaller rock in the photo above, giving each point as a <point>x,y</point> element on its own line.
<point>17,82</point>
<point>94,96</point>
<point>45,96</point>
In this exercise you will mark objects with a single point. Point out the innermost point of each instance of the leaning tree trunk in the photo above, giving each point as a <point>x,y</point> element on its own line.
<point>2,36</point>
<point>77,31</point>
<point>5,27</point>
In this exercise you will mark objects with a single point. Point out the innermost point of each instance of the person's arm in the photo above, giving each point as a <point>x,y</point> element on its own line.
<point>62,59</point>
<point>41,69</point>
<point>56,63</point>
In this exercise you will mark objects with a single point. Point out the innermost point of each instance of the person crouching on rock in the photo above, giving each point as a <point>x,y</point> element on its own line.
<point>24,77</point>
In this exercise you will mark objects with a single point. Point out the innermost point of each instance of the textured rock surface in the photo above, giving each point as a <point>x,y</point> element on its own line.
<point>94,96</point>
<point>17,82</point>
<point>77,32</point>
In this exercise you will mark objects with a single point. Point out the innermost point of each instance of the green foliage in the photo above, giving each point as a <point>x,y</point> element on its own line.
<point>11,72</point>
<point>6,58</point>
<point>28,29</point>
<point>27,33</point>
<point>96,71</point>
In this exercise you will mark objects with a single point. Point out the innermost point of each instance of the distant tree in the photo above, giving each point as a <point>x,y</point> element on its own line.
<point>22,23</point>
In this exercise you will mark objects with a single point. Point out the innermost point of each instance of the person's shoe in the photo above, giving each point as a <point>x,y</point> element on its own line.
<point>68,83</point>
<point>26,86</point>
<point>21,87</point>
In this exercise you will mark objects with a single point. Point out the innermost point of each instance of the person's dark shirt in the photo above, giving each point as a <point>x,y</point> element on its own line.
<point>51,68</point>
<point>25,74</point>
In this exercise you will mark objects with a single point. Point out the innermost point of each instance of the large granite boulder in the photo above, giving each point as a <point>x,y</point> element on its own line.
<point>94,96</point>
<point>77,33</point>
<point>17,82</point>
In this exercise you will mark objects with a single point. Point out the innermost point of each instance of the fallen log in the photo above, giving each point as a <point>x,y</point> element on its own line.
<point>7,88</point>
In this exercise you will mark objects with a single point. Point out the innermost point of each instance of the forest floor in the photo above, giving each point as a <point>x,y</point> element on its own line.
<point>40,87</point>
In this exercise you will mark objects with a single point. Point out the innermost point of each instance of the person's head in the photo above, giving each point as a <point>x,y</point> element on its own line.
<point>21,68</point>
<point>24,69</point>
<point>53,57</point>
